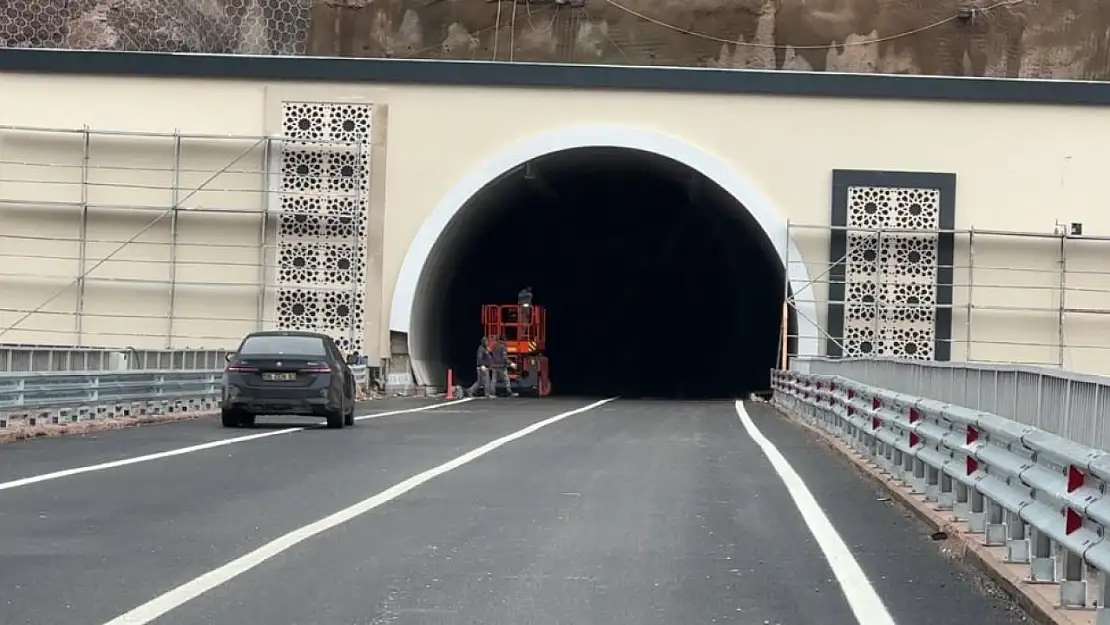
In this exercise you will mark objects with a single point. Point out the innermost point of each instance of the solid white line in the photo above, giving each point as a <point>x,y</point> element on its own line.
<point>45,477</point>
<point>390,413</point>
<point>192,589</point>
<point>861,595</point>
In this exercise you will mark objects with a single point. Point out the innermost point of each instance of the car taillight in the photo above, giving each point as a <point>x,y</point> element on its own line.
<point>315,368</point>
<point>240,369</point>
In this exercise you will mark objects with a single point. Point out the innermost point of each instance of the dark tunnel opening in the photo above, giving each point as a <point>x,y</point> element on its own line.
<point>657,282</point>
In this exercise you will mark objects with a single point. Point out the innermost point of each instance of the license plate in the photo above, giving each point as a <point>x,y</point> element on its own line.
<point>279,377</point>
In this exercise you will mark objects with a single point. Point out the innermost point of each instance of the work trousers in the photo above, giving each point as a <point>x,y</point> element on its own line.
<point>483,382</point>
<point>500,375</point>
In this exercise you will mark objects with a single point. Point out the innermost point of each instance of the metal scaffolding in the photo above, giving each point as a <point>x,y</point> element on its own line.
<point>95,198</point>
<point>997,275</point>
<point>79,209</point>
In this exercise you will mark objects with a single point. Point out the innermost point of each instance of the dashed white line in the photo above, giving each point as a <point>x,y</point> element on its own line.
<point>104,466</point>
<point>863,600</point>
<point>200,585</point>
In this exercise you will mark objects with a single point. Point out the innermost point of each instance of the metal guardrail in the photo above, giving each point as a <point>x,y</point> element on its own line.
<point>51,398</point>
<point>1042,497</point>
<point>17,358</point>
<point>1071,405</point>
<point>70,397</point>
<point>362,376</point>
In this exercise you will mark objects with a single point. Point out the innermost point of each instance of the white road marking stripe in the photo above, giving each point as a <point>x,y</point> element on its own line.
<point>862,598</point>
<point>45,477</point>
<point>200,585</point>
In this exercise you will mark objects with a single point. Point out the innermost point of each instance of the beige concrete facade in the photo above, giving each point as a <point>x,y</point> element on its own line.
<point>778,152</point>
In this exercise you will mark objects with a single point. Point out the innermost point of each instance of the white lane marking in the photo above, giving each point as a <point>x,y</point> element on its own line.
<point>390,413</point>
<point>862,598</point>
<point>45,477</point>
<point>192,589</point>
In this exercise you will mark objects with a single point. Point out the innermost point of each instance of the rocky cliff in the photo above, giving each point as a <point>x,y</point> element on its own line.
<point>1027,38</point>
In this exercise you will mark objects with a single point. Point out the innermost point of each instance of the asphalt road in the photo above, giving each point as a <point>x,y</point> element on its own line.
<point>637,512</point>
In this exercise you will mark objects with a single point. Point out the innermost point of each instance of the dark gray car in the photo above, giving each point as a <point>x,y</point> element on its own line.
<point>287,373</point>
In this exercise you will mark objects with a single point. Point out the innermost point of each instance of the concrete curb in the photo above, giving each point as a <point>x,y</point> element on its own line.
<point>964,546</point>
<point>93,426</point>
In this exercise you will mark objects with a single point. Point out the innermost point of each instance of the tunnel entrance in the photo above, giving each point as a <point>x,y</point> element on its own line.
<point>657,282</point>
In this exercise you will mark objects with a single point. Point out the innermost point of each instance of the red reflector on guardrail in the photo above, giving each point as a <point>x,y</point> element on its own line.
<point>1076,478</point>
<point>1072,521</point>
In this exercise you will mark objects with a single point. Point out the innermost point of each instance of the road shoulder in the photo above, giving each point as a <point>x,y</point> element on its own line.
<point>1038,600</point>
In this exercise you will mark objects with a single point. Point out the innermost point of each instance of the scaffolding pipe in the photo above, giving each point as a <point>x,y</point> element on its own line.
<point>784,342</point>
<point>82,238</point>
<point>952,231</point>
<point>175,204</point>
<point>880,263</point>
<point>970,291</point>
<point>1063,295</point>
<point>263,232</point>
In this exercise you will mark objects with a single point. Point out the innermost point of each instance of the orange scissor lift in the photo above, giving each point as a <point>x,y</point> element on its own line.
<point>525,337</point>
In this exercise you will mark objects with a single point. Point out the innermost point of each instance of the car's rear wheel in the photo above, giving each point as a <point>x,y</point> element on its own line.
<point>236,419</point>
<point>336,419</point>
<point>229,419</point>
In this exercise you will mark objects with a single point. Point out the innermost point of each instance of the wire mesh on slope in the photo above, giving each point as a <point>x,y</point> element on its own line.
<point>214,26</point>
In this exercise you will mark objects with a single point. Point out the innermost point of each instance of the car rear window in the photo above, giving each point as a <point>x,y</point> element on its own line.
<point>277,344</point>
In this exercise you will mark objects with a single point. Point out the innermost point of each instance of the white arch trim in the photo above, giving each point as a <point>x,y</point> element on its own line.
<point>587,136</point>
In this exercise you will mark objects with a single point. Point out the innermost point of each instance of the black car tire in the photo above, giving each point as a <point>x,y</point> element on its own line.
<point>349,414</point>
<point>336,420</point>
<point>229,419</point>
<point>236,419</point>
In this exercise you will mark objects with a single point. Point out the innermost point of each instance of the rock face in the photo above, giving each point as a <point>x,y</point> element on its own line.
<point>1026,38</point>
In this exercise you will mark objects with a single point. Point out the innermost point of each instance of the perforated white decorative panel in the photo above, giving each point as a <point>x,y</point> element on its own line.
<point>324,198</point>
<point>890,300</point>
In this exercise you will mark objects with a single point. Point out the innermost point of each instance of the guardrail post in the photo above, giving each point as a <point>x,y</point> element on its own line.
<point>834,418</point>
<point>1073,588</point>
<point>915,476</point>
<point>946,498</point>
<point>849,432</point>
<point>961,507</point>
<point>1017,545</point>
<point>977,516</point>
<point>1042,566</point>
<point>932,484</point>
<point>1102,599</point>
<point>906,468</point>
<point>995,529</point>
<point>20,392</point>
<point>879,454</point>
<point>897,462</point>
<point>860,438</point>
<point>847,426</point>
<point>94,389</point>
<point>882,452</point>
